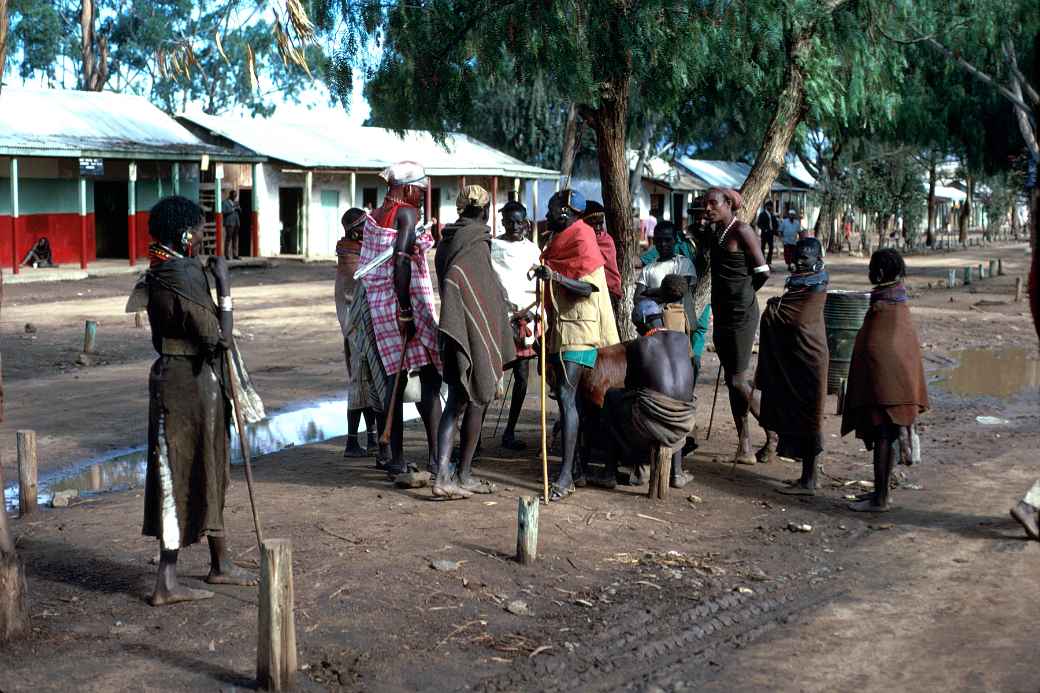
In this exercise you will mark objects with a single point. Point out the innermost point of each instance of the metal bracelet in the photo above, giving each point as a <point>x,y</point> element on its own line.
<point>760,269</point>
<point>225,304</point>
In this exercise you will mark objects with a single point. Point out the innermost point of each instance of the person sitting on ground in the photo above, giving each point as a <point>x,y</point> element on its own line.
<point>886,388</point>
<point>348,256</point>
<point>39,255</point>
<point>792,368</point>
<point>513,255</point>
<point>656,408</point>
<point>475,337</point>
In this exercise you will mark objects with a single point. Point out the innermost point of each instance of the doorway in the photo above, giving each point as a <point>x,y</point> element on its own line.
<point>290,213</point>
<point>111,212</point>
<point>245,220</point>
<point>678,209</point>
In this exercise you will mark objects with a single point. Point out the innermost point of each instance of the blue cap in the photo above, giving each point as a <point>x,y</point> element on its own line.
<point>644,310</point>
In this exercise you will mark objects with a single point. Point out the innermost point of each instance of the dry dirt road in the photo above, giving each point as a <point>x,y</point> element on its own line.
<point>713,593</point>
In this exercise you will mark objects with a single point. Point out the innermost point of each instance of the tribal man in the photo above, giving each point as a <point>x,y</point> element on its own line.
<point>886,389</point>
<point>513,255</point>
<point>348,255</point>
<point>476,339</point>
<point>738,270</point>
<point>580,319</point>
<point>656,406</point>
<point>792,367</point>
<point>188,435</point>
<point>400,299</point>
<point>596,217</point>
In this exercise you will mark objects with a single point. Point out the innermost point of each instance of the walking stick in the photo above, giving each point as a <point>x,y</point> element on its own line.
<point>385,438</point>
<point>502,407</point>
<point>243,443</point>
<point>714,399</point>
<point>545,440</point>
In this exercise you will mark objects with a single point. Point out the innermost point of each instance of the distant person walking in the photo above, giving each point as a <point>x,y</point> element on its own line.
<point>790,229</point>
<point>232,223</point>
<point>768,228</point>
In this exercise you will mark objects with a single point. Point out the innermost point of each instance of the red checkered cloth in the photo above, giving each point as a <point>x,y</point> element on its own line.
<point>382,299</point>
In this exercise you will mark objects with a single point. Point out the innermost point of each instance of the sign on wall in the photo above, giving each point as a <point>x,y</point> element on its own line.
<point>91,168</point>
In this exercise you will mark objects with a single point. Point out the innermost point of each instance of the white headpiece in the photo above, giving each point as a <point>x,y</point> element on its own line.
<point>405,173</point>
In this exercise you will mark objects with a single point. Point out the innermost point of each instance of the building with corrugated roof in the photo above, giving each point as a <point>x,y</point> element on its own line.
<point>316,170</point>
<point>83,168</point>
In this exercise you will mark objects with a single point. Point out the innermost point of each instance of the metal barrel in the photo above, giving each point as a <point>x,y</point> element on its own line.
<point>843,315</point>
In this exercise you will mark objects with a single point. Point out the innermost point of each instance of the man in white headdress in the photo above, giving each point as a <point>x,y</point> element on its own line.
<point>400,297</point>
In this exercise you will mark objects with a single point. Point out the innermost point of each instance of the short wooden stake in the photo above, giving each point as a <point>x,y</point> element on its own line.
<point>27,487</point>
<point>951,279</point>
<point>90,337</point>
<point>967,276</point>
<point>276,632</point>
<point>993,269</point>
<point>660,472</point>
<point>139,319</point>
<point>841,396</point>
<point>1000,266</point>
<point>14,599</point>
<point>1018,289</point>
<point>527,530</point>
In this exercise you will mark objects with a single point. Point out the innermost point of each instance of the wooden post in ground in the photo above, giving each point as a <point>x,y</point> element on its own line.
<point>89,336</point>
<point>139,319</point>
<point>14,601</point>
<point>951,279</point>
<point>276,643</point>
<point>841,397</point>
<point>26,472</point>
<point>1018,289</point>
<point>527,530</point>
<point>660,472</point>
<point>993,269</point>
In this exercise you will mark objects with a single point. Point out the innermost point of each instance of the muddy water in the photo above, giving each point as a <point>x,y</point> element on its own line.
<point>1001,373</point>
<point>312,422</point>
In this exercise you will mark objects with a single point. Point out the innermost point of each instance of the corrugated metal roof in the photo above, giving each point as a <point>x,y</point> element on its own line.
<point>53,122</point>
<point>333,142</point>
<point>667,173</point>
<point>732,174</point>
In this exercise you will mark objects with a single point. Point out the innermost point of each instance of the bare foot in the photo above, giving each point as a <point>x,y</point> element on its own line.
<point>478,486</point>
<point>766,454</point>
<point>231,574</point>
<point>869,505</point>
<point>178,594</point>
<point>796,488</point>
<point>746,458</point>
<point>449,490</point>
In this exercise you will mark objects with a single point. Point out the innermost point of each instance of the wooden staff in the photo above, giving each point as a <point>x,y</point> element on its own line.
<point>545,439</point>
<point>243,443</point>
<point>385,438</point>
<point>714,399</point>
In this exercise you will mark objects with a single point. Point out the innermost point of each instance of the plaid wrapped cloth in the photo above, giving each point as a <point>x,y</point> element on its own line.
<point>382,299</point>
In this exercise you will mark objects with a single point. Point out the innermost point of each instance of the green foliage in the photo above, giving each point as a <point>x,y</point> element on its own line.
<point>166,50</point>
<point>890,186</point>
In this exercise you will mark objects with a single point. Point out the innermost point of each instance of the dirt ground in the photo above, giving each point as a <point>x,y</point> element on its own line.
<point>707,590</point>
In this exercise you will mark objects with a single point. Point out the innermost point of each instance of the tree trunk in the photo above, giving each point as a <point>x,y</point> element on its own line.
<point>570,147</point>
<point>608,121</point>
<point>4,23</point>
<point>14,602</point>
<point>93,51</point>
<point>790,108</point>
<point>930,232</point>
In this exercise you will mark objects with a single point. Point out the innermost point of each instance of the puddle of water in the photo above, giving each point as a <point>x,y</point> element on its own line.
<point>992,373</point>
<point>123,469</point>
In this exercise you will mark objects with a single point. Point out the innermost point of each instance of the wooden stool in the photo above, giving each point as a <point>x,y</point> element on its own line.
<point>660,472</point>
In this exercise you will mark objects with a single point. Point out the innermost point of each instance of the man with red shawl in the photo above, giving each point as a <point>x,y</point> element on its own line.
<point>580,319</point>
<point>400,298</point>
<point>595,216</point>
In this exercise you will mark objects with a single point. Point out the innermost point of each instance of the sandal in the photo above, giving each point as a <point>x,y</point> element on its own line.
<point>558,493</point>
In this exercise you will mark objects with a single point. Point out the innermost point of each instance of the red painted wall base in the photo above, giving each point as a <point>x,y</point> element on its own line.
<point>62,230</point>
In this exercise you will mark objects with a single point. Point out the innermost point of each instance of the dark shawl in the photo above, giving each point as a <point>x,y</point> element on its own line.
<point>660,418</point>
<point>792,370</point>
<point>189,410</point>
<point>474,312</point>
<point>886,382</point>
<point>734,308</point>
